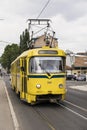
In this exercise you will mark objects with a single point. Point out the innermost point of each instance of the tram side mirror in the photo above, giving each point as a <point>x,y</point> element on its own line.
<point>22,68</point>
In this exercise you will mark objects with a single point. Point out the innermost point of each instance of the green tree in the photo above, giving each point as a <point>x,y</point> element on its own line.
<point>24,40</point>
<point>10,54</point>
<point>0,59</point>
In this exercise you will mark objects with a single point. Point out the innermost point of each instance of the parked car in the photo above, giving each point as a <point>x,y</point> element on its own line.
<point>70,77</point>
<point>81,77</point>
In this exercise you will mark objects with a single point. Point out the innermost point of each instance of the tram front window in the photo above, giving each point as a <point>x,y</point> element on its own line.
<point>46,64</point>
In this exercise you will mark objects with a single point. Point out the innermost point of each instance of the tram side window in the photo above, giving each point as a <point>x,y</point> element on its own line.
<point>60,66</point>
<point>18,66</point>
<point>64,64</point>
<point>32,65</point>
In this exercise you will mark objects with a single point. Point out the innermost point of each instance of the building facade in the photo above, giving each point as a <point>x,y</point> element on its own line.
<point>76,64</point>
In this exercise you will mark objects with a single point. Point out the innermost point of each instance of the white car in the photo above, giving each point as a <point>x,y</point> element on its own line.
<point>81,78</point>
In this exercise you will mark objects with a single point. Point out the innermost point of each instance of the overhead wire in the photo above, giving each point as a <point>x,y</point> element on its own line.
<point>44,28</point>
<point>7,42</point>
<point>40,15</point>
<point>40,30</point>
<point>43,9</point>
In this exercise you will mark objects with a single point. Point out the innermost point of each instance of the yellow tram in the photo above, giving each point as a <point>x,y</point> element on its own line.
<point>39,74</point>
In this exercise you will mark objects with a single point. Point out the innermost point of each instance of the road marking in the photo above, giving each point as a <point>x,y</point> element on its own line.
<point>85,118</point>
<point>75,105</point>
<point>82,88</point>
<point>15,121</point>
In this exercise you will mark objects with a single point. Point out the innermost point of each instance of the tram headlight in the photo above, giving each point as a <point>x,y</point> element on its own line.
<point>60,85</point>
<point>38,86</point>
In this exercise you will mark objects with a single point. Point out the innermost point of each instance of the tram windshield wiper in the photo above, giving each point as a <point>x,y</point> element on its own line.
<point>48,73</point>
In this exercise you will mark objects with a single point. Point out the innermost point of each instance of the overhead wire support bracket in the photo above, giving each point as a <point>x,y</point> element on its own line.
<point>39,21</point>
<point>46,25</point>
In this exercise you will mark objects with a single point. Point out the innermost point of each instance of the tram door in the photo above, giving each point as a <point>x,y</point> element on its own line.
<point>24,77</point>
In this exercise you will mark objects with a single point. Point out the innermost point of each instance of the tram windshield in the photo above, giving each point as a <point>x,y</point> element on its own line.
<point>47,64</point>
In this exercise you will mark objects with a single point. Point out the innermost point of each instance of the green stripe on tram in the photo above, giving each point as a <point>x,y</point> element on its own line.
<point>45,76</point>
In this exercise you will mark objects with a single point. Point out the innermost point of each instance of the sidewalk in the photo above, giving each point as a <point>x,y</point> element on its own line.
<point>6,122</point>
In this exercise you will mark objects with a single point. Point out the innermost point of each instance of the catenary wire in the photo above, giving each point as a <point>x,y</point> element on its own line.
<point>43,9</point>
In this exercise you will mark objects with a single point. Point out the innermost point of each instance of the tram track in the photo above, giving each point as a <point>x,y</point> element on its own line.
<point>44,117</point>
<point>65,105</point>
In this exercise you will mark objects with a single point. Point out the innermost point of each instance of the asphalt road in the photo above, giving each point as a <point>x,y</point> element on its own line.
<point>68,115</point>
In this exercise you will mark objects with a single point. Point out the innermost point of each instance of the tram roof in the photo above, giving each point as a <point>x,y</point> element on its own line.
<point>26,53</point>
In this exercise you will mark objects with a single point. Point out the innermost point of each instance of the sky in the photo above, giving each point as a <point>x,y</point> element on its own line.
<point>69,21</point>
